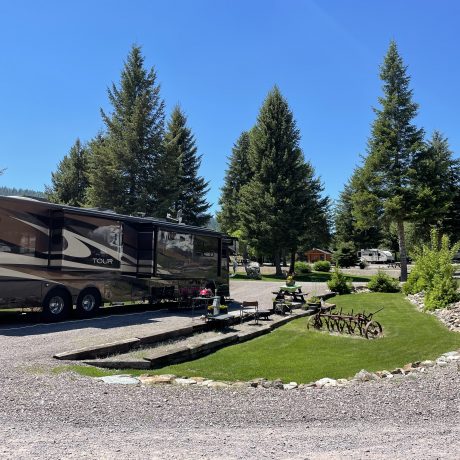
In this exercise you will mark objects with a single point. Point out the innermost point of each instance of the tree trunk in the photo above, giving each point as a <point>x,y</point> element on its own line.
<point>402,250</point>
<point>278,264</point>
<point>292,266</point>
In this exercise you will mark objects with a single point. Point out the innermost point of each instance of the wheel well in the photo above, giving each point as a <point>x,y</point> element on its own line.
<point>92,289</point>
<point>56,289</point>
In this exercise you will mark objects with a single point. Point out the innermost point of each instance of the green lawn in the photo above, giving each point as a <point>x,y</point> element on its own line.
<point>293,353</point>
<point>313,277</point>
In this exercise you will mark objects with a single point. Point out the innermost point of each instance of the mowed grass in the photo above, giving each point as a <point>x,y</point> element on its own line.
<point>294,353</point>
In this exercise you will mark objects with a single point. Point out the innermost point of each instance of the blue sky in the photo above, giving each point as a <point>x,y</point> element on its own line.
<point>218,59</point>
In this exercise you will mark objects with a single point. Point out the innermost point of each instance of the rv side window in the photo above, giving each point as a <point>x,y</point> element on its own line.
<point>174,252</point>
<point>19,242</point>
<point>205,254</point>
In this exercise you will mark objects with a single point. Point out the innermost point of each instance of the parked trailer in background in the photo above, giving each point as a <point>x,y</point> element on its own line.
<point>376,256</point>
<point>54,257</point>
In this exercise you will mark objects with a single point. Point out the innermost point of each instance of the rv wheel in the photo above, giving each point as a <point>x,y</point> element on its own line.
<point>88,302</point>
<point>56,305</point>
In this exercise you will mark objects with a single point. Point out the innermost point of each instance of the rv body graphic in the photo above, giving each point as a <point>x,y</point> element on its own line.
<point>53,257</point>
<point>376,256</point>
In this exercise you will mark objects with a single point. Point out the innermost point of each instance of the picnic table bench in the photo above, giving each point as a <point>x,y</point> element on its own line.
<point>293,292</point>
<point>218,318</point>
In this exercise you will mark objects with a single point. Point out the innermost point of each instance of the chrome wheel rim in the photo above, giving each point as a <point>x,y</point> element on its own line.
<point>56,305</point>
<point>88,302</point>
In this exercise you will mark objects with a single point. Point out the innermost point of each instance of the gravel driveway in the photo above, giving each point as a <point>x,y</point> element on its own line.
<point>46,415</point>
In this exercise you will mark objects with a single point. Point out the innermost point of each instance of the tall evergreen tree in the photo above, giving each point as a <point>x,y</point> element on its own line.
<point>70,181</point>
<point>318,218</point>
<point>238,173</point>
<point>345,223</point>
<point>274,205</point>
<point>436,180</point>
<point>122,176</point>
<point>180,186</point>
<point>386,180</point>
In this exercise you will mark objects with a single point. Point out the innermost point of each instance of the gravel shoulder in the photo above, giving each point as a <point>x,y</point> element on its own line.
<point>47,415</point>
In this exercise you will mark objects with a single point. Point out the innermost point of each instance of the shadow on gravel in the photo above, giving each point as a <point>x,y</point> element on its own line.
<point>16,324</point>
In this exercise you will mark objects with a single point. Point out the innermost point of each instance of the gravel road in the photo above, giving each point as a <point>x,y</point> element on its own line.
<point>47,415</point>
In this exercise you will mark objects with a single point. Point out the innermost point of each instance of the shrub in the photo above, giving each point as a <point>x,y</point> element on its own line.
<point>381,282</point>
<point>322,266</point>
<point>302,267</point>
<point>339,282</point>
<point>433,272</point>
<point>345,254</point>
<point>443,293</point>
<point>363,264</point>
<point>313,299</point>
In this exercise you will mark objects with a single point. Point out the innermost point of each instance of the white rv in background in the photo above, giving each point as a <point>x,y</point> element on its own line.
<point>376,256</point>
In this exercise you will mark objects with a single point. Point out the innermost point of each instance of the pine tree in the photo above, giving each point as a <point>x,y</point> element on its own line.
<point>345,222</point>
<point>385,185</point>
<point>123,172</point>
<point>238,174</point>
<point>274,204</point>
<point>169,168</point>
<point>180,186</point>
<point>436,179</point>
<point>318,219</point>
<point>452,223</point>
<point>70,181</point>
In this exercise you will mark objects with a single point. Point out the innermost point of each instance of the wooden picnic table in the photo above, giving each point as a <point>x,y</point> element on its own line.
<point>293,292</point>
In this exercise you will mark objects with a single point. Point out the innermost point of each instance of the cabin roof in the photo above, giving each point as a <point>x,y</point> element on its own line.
<point>325,251</point>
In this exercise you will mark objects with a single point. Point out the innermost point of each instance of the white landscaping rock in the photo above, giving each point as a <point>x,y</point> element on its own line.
<point>325,383</point>
<point>290,386</point>
<point>185,382</point>
<point>218,385</point>
<point>365,376</point>
<point>119,380</point>
<point>451,356</point>
<point>386,374</point>
<point>157,379</point>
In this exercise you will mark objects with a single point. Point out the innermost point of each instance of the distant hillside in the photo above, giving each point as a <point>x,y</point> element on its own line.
<point>8,191</point>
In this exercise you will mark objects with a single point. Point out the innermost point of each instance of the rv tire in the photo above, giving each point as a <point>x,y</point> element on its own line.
<point>88,302</point>
<point>56,305</point>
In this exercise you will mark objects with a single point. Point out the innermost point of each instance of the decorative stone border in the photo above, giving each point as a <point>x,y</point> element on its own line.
<point>450,316</point>
<point>361,376</point>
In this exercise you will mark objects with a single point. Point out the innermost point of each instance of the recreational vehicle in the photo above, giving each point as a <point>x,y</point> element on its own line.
<point>53,257</point>
<point>376,256</point>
